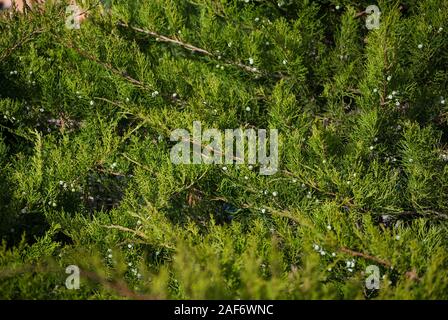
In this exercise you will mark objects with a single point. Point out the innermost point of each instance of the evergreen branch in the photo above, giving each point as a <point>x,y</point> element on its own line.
<point>424,214</point>
<point>121,228</point>
<point>187,46</point>
<point>95,5</point>
<point>116,174</point>
<point>137,233</point>
<point>117,286</point>
<point>16,133</point>
<point>410,274</point>
<point>109,67</point>
<point>20,43</point>
<point>174,100</point>
<point>311,184</point>
<point>163,38</point>
<point>136,162</point>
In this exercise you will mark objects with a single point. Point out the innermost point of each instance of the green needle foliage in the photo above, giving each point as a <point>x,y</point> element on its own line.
<point>86,177</point>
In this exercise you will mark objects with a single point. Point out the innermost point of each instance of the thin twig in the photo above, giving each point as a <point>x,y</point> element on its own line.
<point>366,256</point>
<point>410,274</point>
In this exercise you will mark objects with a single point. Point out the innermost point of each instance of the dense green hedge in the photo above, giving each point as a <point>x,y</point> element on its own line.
<point>86,177</point>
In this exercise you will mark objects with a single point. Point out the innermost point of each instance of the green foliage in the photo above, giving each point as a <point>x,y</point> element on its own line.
<point>86,177</point>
